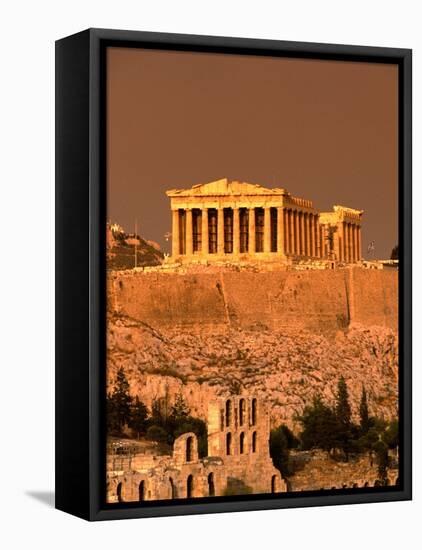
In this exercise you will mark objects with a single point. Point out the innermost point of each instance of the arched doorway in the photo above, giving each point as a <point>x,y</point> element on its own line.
<point>254,411</point>
<point>274,484</point>
<point>229,444</point>
<point>189,486</point>
<point>254,442</point>
<point>119,492</point>
<point>242,443</point>
<point>228,412</point>
<point>241,411</point>
<point>142,490</point>
<point>211,486</point>
<point>172,488</point>
<point>189,445</point>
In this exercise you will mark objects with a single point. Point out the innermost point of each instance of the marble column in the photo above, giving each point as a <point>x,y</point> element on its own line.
<point>280,232</point>
<point>316,232</point>
<point>308,235</point>
<point>359,243</point>
<point>356,243</point>
<point>175,244</point>
<point>320,246</point>
<point>205,236</point>
<point>286,230</point>
<point>251,228</point>
<point>297,233</point>
<point>312,232</point>
<point>349,244</point>
<point>236,231</point>
<point>344,244</point>
<point>189,234</point>
<point>302,233</point>
<point>352,241</point>
<point>267,229</point>
<point>341,240</point>
<point>220,231</point>
<point>290,229</point>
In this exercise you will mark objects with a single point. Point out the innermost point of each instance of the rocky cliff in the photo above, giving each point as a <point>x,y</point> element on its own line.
<point>286,367</point>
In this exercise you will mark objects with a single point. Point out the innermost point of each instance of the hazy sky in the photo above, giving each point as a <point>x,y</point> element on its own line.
<point>323,130</point>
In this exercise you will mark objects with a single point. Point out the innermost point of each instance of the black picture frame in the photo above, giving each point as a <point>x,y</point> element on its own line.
<point>80,271</point>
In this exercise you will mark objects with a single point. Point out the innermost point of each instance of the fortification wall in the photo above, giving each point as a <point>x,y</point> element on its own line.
<point>319,301</point>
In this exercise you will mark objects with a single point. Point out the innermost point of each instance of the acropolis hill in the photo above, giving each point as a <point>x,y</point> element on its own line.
<point>239,314</point>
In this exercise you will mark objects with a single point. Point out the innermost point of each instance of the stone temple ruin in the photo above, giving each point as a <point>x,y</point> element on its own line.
<point>238,460</point>
<point>238,221</point>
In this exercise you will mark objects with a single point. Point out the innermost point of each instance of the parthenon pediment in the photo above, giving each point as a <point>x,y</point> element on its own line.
<point>224,187</point>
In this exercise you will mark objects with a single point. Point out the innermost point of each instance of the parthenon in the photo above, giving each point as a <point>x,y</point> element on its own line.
<point>237,220</point>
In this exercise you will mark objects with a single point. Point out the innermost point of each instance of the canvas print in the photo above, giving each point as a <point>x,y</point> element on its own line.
<point>252,276</point>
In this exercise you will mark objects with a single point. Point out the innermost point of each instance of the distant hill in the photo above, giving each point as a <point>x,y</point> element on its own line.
<point>121,250</point>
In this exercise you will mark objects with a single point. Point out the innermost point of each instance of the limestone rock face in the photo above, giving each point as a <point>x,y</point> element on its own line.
<point>285,368</point>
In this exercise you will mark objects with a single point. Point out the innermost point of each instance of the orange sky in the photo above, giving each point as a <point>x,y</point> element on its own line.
<point>323,130</point>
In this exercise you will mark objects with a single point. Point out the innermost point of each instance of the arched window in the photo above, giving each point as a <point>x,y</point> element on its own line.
<point>228,412</point>
<point>254,412</point>
<point>211,486</point>
<point>274,484</point>
<point>254,442</point>
<point>119,492</point>
<point>189,486</point>
<point>242,443</point>
<point>142,490</point>
<point>229,443</point>
<point>172,488</point>
<point>189,445</point>
<point>241,412</point>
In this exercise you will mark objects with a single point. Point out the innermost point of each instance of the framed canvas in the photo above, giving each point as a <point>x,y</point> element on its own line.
<point>233,274</point>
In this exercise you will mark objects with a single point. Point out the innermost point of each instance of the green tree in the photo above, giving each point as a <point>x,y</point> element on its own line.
<point>111,416</point>
<point>120,402</point>
<point>156,433</point>
<point>343,414</point>
<point>319,426</point>
<point>157,417</point>
<point>364,413</point>
<point>292,441</point>
<point>180,409</point>
<point>279,450</point>
<point>381,453</point>
<point>391,435</point>
<point>138,416</point>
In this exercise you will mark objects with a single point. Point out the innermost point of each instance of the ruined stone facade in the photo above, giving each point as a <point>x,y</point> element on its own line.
<point>231,220</point>
<point>239,433</point>
<point>238,461</point>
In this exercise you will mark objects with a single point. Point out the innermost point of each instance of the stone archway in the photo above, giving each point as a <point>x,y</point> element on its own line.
<point>189,486</point>
<point>119,491</point>
<point>211,485</point>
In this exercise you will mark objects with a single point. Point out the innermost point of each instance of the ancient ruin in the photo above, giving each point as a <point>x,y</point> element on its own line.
<point>238,462</point>
<point>234,220</point>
